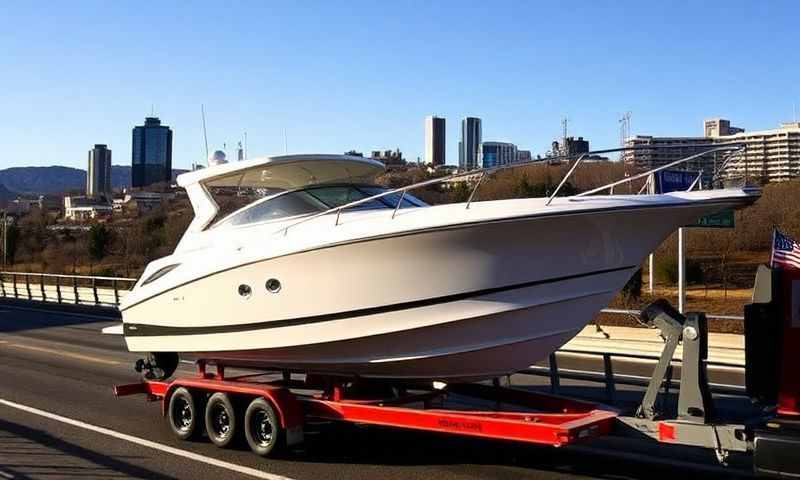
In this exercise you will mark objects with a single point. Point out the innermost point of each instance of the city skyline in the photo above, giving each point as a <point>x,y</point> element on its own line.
<point>270,81</point>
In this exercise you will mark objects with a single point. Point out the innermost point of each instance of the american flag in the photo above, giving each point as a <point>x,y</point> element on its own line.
<point>785,251</point>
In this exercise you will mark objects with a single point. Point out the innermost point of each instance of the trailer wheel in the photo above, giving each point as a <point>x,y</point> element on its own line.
<point>182,414</point>
<point>262,429</point>
<point>221,420</point>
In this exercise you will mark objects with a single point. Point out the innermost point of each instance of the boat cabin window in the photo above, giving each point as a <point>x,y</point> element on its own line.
<point>311,200</point>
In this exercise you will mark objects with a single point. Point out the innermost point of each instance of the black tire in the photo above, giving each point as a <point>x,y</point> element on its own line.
<point>182,414</point>
<point>162,365</point>
<point>221,420</point>
<point>262,429</point>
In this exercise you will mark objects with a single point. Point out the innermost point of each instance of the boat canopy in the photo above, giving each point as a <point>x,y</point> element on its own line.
<point>286,172</point>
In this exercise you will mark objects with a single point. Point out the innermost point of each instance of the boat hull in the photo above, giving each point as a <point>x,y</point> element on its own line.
<point>462,302</point>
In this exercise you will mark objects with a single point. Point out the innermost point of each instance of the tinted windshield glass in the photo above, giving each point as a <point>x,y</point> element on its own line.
<point>392,199</point>
<point>287,205</point>
<point>338,196</point>
<point>313,200</point>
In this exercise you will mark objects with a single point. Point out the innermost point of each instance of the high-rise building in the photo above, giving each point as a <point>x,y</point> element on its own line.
<point>770,155</point>
<point>718,127</point>
<point>469,153</point>
<point>524,156</point>
<point>151,153</point>
<point>434,140</point>
<point>493,154</point>
<point>98,173</point>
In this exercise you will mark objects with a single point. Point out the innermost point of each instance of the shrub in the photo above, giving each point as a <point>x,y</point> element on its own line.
<point>633,289</point>
<point>666,270</point>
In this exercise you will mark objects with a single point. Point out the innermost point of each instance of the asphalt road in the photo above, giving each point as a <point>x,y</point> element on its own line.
<point>59,419</point>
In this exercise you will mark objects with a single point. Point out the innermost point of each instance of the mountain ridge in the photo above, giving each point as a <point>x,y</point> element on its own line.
<point>57,179</point>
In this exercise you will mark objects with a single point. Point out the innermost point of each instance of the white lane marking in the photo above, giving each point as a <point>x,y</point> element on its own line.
<point>6,475</point>
<point>147,443</point>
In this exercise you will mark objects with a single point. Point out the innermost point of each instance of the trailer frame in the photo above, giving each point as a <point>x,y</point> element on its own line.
<point>537,418</point>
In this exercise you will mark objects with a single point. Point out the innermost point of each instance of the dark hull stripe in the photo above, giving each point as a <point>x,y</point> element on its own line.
<point>144,330</point>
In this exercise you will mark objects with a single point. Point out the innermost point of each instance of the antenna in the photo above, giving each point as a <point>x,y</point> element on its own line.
<point>624,131</point>
<point>245,145</point>
<point>152,110</point>
<point>205,137</point>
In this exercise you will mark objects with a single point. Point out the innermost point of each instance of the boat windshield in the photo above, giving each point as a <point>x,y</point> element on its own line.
<point>310,200</point>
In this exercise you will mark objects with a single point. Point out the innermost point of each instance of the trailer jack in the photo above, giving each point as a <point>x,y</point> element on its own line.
<point>693,422</point>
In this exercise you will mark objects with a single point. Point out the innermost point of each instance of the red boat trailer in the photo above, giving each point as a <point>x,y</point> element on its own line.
<point>233,403</point>
<point>279,406</point>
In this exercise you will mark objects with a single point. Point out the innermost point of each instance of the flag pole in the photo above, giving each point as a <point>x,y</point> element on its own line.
<point>772,255</point>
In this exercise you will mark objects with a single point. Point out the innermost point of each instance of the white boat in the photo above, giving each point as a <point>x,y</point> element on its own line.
<point>323,274</point>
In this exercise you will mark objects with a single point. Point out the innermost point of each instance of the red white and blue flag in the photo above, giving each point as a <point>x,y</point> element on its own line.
<point>785,251</point>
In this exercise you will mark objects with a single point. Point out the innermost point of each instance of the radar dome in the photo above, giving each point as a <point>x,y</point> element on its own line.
<point>217,158</point>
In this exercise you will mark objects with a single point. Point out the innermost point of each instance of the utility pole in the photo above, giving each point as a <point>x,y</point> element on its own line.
<point>5,238</point>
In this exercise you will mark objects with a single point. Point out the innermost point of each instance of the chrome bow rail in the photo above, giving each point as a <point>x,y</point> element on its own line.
<point>482,172</point>
<point>64,289</point>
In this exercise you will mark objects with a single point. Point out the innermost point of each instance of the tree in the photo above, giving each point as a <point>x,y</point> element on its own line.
<point>12,238</point>
<point>99,241</point>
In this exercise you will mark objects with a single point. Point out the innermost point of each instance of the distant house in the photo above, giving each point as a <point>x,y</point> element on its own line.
<point>140,202</point>
<point>21,205</point>
<point>81,208</point>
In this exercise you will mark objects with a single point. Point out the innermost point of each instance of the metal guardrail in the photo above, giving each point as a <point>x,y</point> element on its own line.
<point>65,289</point>
<point>636,313</point>
<point>612,379</point>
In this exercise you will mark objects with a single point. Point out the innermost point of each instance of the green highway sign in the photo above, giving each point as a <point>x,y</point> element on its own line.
<point>718,220</point>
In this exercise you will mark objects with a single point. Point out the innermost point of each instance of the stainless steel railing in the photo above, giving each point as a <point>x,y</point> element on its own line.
<point>65,289</point>
<point>482,172</point>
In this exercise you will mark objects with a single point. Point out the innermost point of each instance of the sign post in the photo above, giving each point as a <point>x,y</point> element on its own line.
<point>678,180</point>
<point>651,189</point>
<point>681,269</point>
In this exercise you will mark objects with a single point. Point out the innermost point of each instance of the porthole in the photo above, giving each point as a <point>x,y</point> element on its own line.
<point>245,290</point>
<point>273,285</point>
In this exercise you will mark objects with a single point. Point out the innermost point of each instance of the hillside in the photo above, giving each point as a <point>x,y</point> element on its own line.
<point>57,179</point>
<point>5,195</point>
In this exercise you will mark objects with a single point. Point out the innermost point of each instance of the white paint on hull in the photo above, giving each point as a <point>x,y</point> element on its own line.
<point>327,272</point>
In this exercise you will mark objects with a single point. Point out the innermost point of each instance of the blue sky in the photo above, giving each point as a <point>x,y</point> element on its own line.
<point>363,75</point>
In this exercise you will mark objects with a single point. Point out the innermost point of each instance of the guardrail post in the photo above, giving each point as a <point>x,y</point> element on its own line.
<point>28,286</point>
<point>58,289</point>
<point>116,292</point>
<point>14,279</point>
<point>2,285</point>
<point>41,287</point>
<point>75,289</point>
<point>555,383</point>
<point>94,291</point>
<point>611,388</point>
<point>668,379</point>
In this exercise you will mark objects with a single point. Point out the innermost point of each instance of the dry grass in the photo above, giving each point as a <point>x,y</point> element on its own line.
<point>711,301</point>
